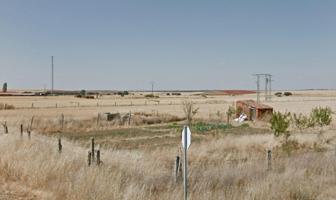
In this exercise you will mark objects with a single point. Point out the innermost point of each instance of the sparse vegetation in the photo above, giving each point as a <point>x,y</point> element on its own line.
<point>302,121</point>
<point>280,124</point>
<point>151,96</point>
<point>189,110</point>
<point>226,161</point>
<point>5,106</point>
<point>229,113</point>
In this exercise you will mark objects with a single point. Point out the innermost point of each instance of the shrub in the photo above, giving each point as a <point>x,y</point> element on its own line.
<point>189,110</point>
<point>280,124</point>
<point>176,93</point>
<point>288,94</point>
<point>278,94</point>
<point>4,87</point>
<point>321,116</point>
<point>82,93</point>
<point>123,93</point>
<point>149,95</point>
<point>301,121</point>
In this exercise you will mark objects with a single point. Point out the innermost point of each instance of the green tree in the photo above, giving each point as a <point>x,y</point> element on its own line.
<point>82,93</point>
<point>4,87</point>
<point>280,124</point>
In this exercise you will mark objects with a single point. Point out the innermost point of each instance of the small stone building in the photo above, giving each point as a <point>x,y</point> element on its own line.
<point>254,110</point>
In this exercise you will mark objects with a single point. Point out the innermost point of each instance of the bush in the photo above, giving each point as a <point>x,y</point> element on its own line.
<point>302,122</point>
<point>321,116</point>
<point>278,94</point>
<point>82,93</point>
<point>4,87</point>
<point>124,93</point>
<point>280,124</point>
<point>189,110</point>
<point>149,95</point>
<point>288,94</point>
<point>176,93</point>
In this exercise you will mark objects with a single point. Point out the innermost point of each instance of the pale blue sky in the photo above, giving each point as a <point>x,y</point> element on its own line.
<point>178,44</point>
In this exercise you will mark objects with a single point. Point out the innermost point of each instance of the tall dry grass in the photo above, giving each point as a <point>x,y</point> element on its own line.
<point>142,174</point>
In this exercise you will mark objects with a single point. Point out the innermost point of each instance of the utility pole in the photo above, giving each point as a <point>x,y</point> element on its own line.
<point>266,87</point>
<point>52,75</point>
<point>258,87</point>
<point>270,88</point>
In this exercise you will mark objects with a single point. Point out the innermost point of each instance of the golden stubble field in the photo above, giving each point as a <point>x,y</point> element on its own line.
<point>51,107</point>
<point>138,161</point>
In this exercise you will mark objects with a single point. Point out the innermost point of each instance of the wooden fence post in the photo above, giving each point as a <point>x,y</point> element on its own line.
<point>129,118</point>
<point>56,105</point>
<point>177,168</point>
<point>89,158</point>
<point>269,160</point>
<point>32,105</point>
<point>59,145</point>
<point>31,123</point>
<point>98,119</point>
<point>21,130</point>
<point>98,156</point>
<point>28,131</point>
<point>93,149</point>
<point>5,127</point>
<point>62,121</point>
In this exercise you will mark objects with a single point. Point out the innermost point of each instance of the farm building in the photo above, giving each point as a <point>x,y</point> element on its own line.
<point>254,110</point>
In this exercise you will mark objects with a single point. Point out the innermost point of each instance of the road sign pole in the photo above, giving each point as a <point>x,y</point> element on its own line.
<point>185,164</point>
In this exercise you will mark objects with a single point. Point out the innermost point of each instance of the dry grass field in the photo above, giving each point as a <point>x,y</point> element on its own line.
<point>225,162</point>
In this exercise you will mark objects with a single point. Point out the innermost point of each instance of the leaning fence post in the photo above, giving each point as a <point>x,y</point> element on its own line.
<point>98,119</point>
<point>89,158</point>
<point>92,149</point>
<point>269,160</point>
<point>177,168</point>
<point>21,130</point>
<point>59,145</point>
<point>5,127</point>
<point>98,156</point>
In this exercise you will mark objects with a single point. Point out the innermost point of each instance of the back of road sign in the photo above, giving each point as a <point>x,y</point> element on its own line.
<point>188,137</point>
